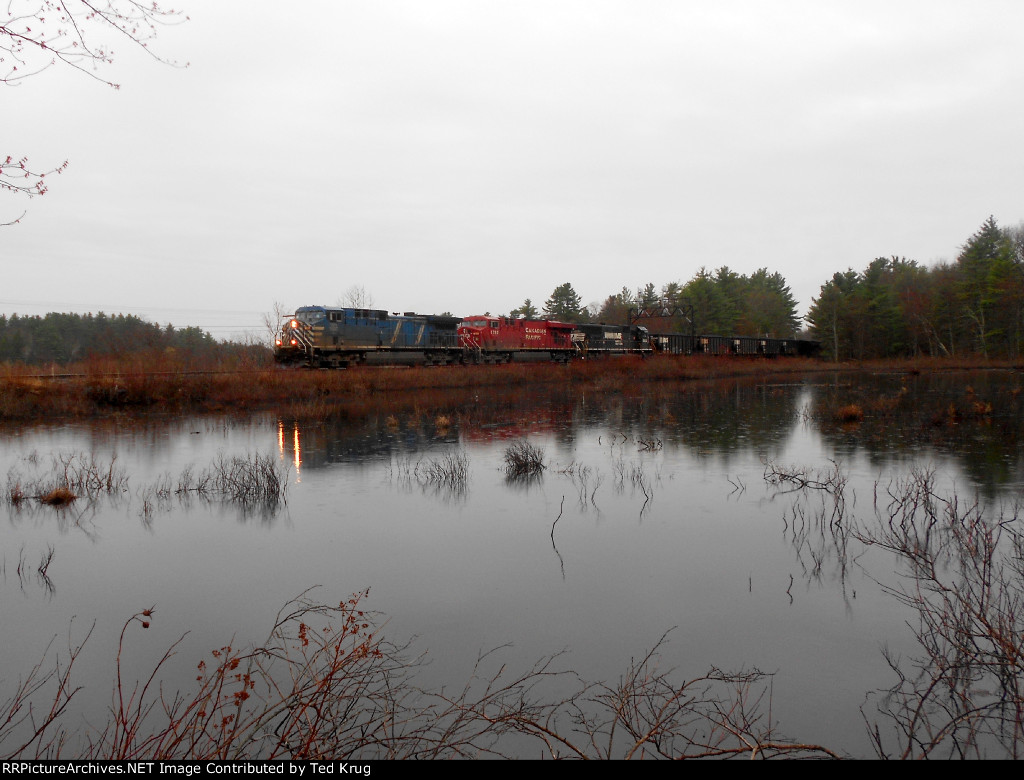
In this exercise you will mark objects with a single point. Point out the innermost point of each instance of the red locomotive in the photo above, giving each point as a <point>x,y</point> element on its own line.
<point>496,339</point>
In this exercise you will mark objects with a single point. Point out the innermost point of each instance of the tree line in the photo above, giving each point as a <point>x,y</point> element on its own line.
<point>893,308</point>
<point>720,302</point>
<point>67,338</point>
<point>898,308</point>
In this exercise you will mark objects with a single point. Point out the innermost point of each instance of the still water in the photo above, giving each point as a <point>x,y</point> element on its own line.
<point>652,515</point>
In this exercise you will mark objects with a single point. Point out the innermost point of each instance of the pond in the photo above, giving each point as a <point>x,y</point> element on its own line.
<point>672,510</point>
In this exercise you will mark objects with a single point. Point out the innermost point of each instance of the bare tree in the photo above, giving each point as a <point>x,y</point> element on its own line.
<point>357,297</point>
<point>272,319</point>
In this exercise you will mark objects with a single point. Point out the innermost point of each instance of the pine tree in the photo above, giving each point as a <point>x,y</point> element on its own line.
<point>564,304</point>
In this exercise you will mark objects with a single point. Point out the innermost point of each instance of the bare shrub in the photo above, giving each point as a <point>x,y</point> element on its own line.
<point>255,479</point>
<point>963,577</point>
<point>960,571</point>
<point>327,684</point>
<point>88,474</point>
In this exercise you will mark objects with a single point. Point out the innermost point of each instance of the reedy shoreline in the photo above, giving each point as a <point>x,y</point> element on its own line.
<point>162,385</point>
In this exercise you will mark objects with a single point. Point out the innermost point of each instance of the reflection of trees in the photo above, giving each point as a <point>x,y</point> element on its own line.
<point>974,417</point>
<point>719,417</point>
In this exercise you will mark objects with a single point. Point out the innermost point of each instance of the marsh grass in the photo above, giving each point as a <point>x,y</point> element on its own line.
<point>586,481</point>
<point>450,472</point>
<point>147,382</point>
<point>254,479</point>
<point>523,460</point>
<point>251,480</point>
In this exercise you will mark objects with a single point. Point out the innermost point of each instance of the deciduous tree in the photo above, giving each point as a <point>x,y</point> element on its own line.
<point>357,297</point>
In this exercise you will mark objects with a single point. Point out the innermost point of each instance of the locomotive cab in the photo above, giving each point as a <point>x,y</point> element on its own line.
<point>291,341</point>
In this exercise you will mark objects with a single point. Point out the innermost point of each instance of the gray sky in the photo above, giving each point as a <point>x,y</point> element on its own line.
<point>466,155</point>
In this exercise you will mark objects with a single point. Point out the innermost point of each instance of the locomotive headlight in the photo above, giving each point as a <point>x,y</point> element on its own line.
<point>295,323</point>
<point>295,342</point>
<point>278,342</point>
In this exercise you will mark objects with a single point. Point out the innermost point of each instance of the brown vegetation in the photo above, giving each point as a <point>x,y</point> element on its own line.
<point>58,497</point>
<point>326,683</point>
<point>850,413</point>
<point>162,383</point>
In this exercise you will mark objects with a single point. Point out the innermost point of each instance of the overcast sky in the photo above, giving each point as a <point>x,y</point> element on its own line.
<point>465,155</point>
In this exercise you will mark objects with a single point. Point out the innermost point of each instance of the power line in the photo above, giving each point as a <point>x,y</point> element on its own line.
<point>112,307</point>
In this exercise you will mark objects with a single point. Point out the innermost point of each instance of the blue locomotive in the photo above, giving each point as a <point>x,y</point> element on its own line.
<point>326,337</point>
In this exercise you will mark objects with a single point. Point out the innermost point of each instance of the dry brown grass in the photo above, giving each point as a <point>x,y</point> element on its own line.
<point>61,496</point>
<point>162,382</point>
<point>850,413</point>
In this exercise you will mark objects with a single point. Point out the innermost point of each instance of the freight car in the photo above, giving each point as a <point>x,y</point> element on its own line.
<point>685,344</point>
<point>749,345</point>
<point>323,337</point>
<point>487,339</point>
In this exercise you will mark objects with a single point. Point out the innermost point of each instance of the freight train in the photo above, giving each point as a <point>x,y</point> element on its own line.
<point>337,337</point>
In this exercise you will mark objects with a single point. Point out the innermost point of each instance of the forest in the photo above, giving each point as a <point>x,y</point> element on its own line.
<point>67,338</point>
<point>898,308</point>
<point>723,302</point>
<point>894,308</point>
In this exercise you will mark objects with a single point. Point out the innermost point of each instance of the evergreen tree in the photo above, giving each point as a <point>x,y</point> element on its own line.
<point>527,310</point>
<point>768,306</point>
<point>709,303</point>
<point>986,265</point>
<point>647,296</point>
<point>831,315</point>
<point>564,304</point>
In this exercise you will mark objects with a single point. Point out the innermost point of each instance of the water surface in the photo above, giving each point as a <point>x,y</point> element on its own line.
<point>652,515</point>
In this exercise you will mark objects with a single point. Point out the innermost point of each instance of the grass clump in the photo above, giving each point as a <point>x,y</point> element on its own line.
<point>850,413</point>
<point>449,471</point>
<point>523,460</point>
<point>256,479</point>
<point>60,496</point>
